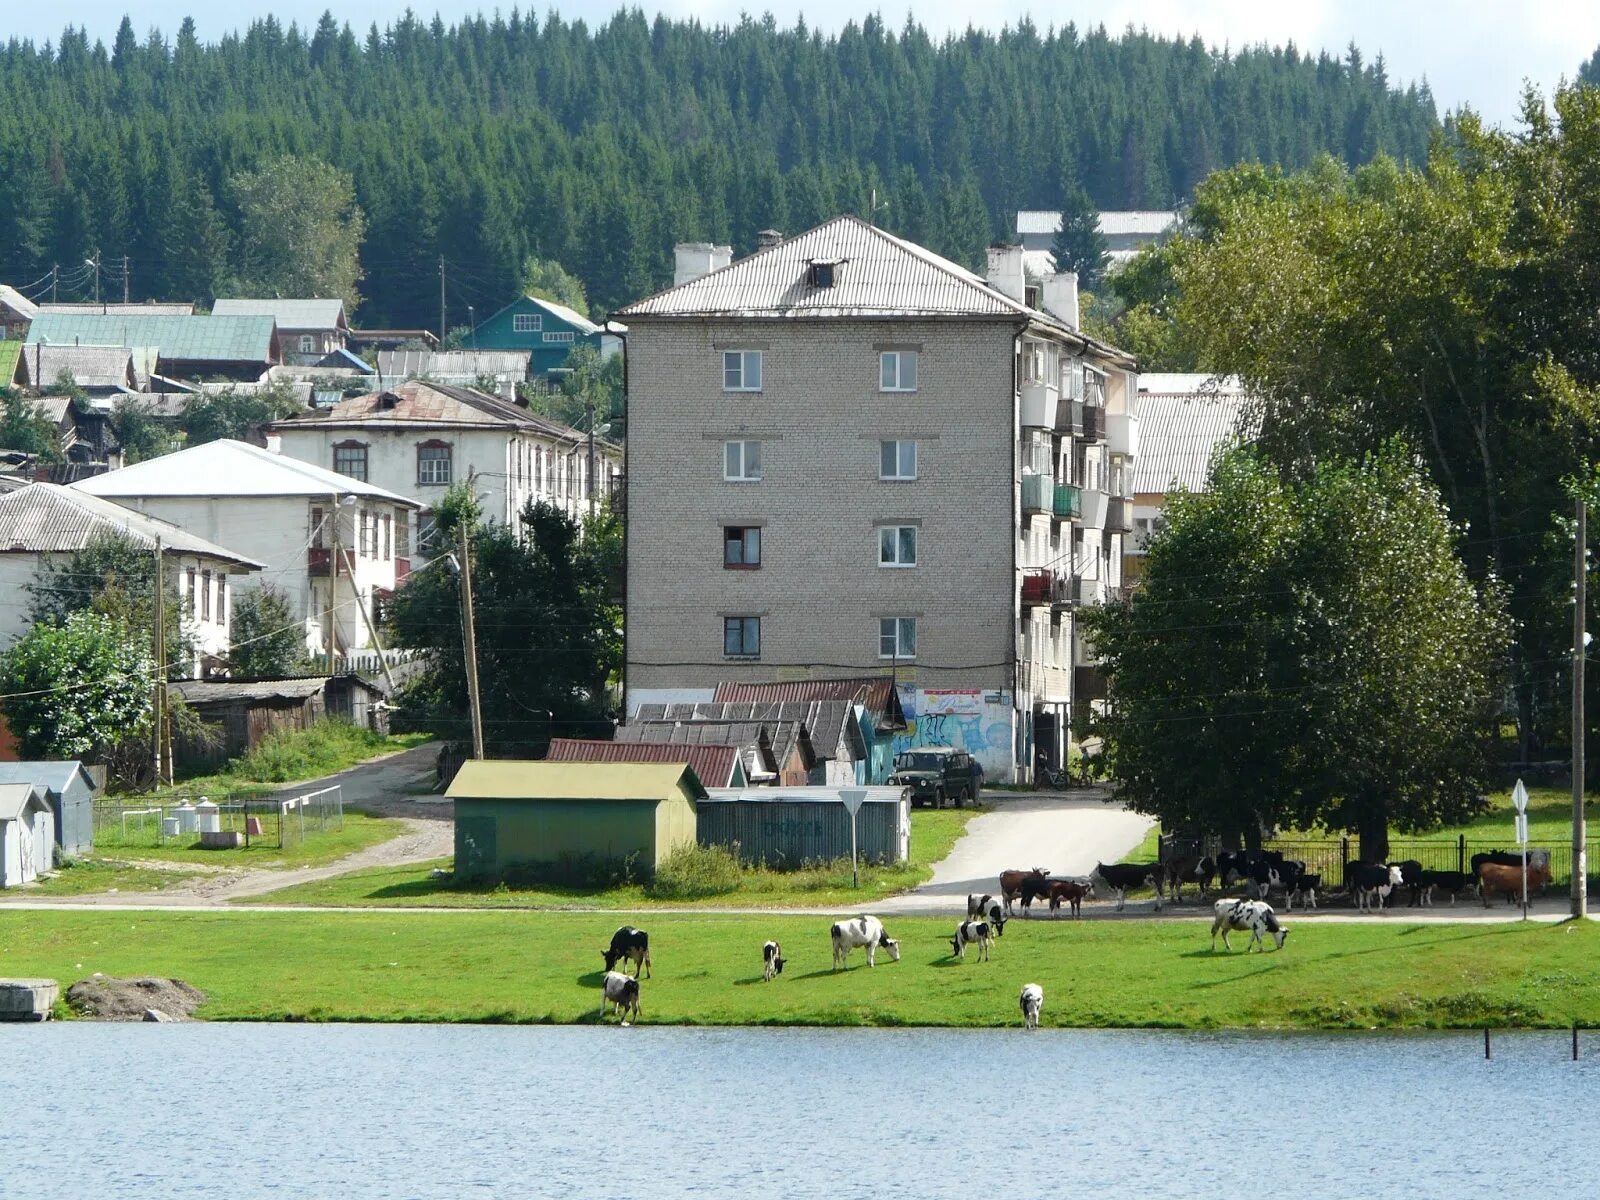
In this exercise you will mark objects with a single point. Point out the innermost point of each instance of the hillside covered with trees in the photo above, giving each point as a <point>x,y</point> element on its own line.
<point>501,138</point>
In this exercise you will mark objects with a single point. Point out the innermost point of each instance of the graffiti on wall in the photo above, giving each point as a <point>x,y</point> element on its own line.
<point>979,722</point>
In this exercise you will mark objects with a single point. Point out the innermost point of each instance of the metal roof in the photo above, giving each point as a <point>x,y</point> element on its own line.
<point>1113,222</point>
<point>713,764</point>
<point>570,315</point>
<point>17,798</point>
<point>47,518</point>
<point>17,302</point>
<point>52,776</point>
<point>9,352</point>
<point>876,693</point>
<point>143,308</point>
<point>815,793</point>
<point>297,315</point>
<point>87,366</point>
<point>230,468</point>
<point>401,364</point>
<point>1181,429</point>
<point>419,402</point>
<point>828,722</point>
<point>203,691</point>
<point>514,779</point>
<point>181,338</point>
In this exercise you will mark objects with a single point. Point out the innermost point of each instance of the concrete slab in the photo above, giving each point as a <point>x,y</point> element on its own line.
<point>27,999</point>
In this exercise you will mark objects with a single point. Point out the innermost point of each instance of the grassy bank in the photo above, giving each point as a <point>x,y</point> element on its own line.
<point>933,833</point>
<point>359,831</point>
<point>543,967</point>
<point>83,876</point>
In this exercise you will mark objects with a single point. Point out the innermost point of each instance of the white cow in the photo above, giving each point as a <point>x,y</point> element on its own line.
<point>968,933</point>
<point>1031,1002</point>
<point>622,991</point>
<point>1255,915</point>
<point>862,931</point>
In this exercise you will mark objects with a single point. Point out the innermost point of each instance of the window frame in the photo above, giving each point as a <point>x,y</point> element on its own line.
<point>899,358</point>
<point>744,445</point>
<point>746,624</point>
<point>899,444</point>
<point>527,323</point>
<point>747,538</point>
<point>205,596</point>
<point>559,337</point>
<point>895,631</point>
<point>308,344</point>
<point>354,449</point>
<point>892,540</point>
<point>424,458</point>
<point>744,357</point>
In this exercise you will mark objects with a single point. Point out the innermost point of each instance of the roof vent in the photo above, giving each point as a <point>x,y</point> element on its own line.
<point>768,238</point>
<point>821,272</point>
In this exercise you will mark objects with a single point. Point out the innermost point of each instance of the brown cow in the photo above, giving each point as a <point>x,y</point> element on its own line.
<point>1011,883</point>
<point>1498,877</point>
<point>1070,890</point>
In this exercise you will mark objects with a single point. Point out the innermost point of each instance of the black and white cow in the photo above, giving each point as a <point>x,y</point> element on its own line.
<point>1255,915</point>
<point>971,933</point>
<point>771,961</point>
<point>862,931</point>
<point>1411,876</point>
<point>1119,877</point>
<point>1031,1001</point>
<point>1305,889</point>
<point>629,945</point>
<point>1369,882</point>
<point>977,905</point>
<point>1453,882</point>
<point>623,992</point>
<point>987,908</point>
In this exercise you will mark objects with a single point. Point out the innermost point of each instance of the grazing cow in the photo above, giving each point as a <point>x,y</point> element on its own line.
<point>967,933</point>
<point>1305,889</point>
<point>1119,877</point>
<point>1011,884</point>
<point>1451,881</point>
<point>771,961</point>
<point>623,992</point>
<point>1369,881</point>
<point>978,905</point>
<point>1495,878</point>
<point>1031,1001</point>
<point>1254,915</point>
<point>862,931</point>
<point>1072,891</point>
<point>629,945</point>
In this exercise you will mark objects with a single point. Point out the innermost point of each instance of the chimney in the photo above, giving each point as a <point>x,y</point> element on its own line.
<point>1006,275</point>
<point>768,238</point>
<point>1061,296</point>
<point>694,259</point>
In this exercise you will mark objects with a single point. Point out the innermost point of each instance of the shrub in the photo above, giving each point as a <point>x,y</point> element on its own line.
<point>291,754</point>
<point>694,872</point>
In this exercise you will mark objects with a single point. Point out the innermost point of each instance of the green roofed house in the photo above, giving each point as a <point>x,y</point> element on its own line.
<point>512,813</point>
<point>547,329</point>
<point>187,347</point>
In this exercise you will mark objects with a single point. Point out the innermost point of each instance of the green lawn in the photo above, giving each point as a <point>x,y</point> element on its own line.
<point>83,876</point>
<point>359,832</point>
<point>544,967</point>
<point>933,833</point>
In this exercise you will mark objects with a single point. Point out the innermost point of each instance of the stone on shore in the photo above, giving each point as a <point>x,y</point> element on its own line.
<point>27,999</point>
<point>102,998</point>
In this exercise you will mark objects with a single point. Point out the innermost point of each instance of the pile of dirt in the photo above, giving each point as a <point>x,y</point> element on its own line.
<point>102,998</point>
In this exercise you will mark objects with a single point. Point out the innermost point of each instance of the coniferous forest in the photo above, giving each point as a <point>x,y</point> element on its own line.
<point>504,137</point>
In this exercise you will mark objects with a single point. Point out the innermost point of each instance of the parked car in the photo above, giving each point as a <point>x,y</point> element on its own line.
<point>938,775</point>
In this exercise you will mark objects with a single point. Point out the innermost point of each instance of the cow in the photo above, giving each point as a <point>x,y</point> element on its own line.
<point>1119,877</point>
<point>629,945</point>
<point>1411,876</point>
<point>967,933</point>
<point>987,908</point>
<point>1034,889</point>
<point>1305,889</point>
<point>1368,880</point>
<point>977,906</point>
<point>862,931</point>
<point>1504,858</point>
<point>771,961</point>
<point>1073,891</point>
<point>1011,884</point>
<point>622,991</point>
<point>1498,877</point>
<point>1181,868</point>
<point>1031,1001</point>
<point>1451,881</point>
<point>1255,915</point>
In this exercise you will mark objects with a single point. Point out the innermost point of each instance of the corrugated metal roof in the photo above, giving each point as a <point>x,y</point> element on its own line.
<point>570,315</point>
<point>1180,432</point>
<point>877,694</point>
<point>17,302</point>
<point>195,691</point>
<point>47,518</point>
<point>424,402</point>
<point>512,779</point>
<point>231,468</point>
<point>1113,222</point>
<point>815,793</point>
<point>828,722</point>
<point>180,338</point>
<point>713,764</point>
<point>87,366</point>
<point>143,308</point>
<point>297,315</point>
<point>403,364</point>
<point>16,798</point>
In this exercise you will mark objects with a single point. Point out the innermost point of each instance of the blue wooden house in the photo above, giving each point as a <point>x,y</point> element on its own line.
<point>547,329</point>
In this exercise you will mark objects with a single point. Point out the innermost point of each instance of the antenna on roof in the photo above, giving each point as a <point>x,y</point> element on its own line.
<point>876,208</point>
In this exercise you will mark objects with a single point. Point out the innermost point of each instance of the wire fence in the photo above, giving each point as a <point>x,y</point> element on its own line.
<point>217,822</point>
<point>1327,856</point>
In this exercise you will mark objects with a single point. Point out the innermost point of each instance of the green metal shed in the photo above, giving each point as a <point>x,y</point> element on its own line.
<point>512,813</point>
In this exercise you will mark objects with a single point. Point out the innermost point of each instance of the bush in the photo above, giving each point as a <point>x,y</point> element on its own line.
<point>291,754</point>
<point>695,872</point>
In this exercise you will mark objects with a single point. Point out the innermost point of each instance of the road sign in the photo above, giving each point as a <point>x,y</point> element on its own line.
<point>853,799</point>
<point>1519,797</point>
<point>1522,829</point>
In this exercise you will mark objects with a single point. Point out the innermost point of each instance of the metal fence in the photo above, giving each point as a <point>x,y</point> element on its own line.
<point>281,820</point>
<point>1328,856</point>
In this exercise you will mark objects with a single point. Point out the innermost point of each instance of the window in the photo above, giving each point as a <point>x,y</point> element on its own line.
<point>526,322</point>
<point>402,533</point>
<point>316,536</point>
<point>194,596</point>
<point>361,535</point>
<point>897,460</point>
<point>741,637</point>
<point>741,371</point>
<point>205,595</point>
<point>897,637</point>
<point>820,272</point>
<point>897,545</point>
<point>897,371</point>
<point>308,344</point>
<point>433,464</point>
<point>388,537</point>
<point>222,598</point>
<point>350,459</point>
<point>741,461</point>
<point>568,336</point>
<point>741,547</point>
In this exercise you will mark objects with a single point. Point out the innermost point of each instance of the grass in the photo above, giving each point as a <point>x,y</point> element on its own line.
<point>545,967</point>
<point>83,876</point>
<point>933,833</point>
<point>359,832</point>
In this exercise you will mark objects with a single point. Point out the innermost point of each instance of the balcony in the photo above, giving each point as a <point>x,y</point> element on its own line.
<point>1094,508</point>
<point>1119,515</point>
<point>1122,434</point>
<point>1036,405</point>
<point>1038,587</point>
<point>1069,417</point>
<point>1068,501</point>
<point>1038,493</point>
<point>1094,422</point>
<point>1088,683</point>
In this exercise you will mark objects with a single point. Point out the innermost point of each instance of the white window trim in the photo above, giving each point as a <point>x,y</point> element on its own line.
<point>897,443</point>
<point>526,322</point>
<point>916,548</point>
<point>744,373</point>
<point>896,655</point>
<point>899,357</point>
<point>556,335</point>
<point>744,459</point>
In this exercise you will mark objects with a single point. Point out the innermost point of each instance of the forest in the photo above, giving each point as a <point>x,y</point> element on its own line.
<point>473,146</point>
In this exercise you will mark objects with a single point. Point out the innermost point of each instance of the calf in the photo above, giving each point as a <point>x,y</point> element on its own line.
<point>1254,915</point>
<point>629,945</point>
<point>1367,881</point>
<point>1305,889</point>
<point>1031,1001</point>
<point>1073,892</point>
<point>1011,884</point>
<point>862,931</point>
<point>1498,877</point>
<point>771,961</point>
<point>623,992</point>
<point>967,933</point>
<point>1451,881</point>
<point>1119,877</point>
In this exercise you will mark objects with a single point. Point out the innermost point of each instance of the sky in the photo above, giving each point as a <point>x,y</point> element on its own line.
<point>1471,52</point>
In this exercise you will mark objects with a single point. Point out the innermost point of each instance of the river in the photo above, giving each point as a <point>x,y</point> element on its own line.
<point>243,1112</point>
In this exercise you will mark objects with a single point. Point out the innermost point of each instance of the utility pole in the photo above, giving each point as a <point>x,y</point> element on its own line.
<point>158,698</point>
<point>1580,572</point>
<point>442,329</point>
<point>124,278</point>
<point>95,263</point>
<point>470,637</point>
<point>55,274</point>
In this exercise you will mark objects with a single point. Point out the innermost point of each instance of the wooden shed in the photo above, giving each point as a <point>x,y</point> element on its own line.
<point>70,789</point>
<point>245,711</point>
<point>27,833</point>
<point>514,813</point>
<point>784,827</point>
